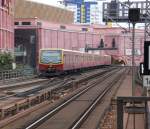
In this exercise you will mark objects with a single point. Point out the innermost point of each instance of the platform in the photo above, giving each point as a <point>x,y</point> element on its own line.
<point>126,91</point>
<point>22,83</point>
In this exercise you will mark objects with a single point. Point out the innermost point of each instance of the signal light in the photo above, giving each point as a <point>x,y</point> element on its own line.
<point>134,14</point>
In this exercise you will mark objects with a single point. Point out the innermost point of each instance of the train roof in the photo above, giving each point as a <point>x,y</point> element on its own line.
<point>70,51</point>
<point>61,49</point>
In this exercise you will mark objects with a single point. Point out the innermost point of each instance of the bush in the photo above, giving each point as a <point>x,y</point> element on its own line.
<point>6,60</point>
<point>117,62</point>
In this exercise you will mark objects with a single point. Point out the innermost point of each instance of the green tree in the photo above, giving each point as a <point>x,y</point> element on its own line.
<point>6,60</point>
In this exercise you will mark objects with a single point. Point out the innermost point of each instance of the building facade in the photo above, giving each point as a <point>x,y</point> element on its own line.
<point>110,41</point>
<point>6,25</point>
<point>30,9</point>
<point>118,43</point>
<point>85,11</point>
<point>29,39</point>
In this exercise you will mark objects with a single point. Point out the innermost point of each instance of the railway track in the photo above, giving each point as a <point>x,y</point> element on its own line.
<point>37,82</point>
<point>72,113</point>
<point>44,92</point>
<point>26,89</point>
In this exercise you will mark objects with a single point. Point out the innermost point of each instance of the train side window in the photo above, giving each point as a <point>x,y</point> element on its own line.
<point>26,23</point>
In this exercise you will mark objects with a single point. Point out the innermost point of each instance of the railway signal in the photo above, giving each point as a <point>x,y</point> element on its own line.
<point>134,17</point>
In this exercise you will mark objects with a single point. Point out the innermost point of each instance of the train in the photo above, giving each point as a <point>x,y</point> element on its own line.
<point>55,60</point>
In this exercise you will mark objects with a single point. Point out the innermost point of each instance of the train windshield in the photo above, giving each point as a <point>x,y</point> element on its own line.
<point>51,56</point>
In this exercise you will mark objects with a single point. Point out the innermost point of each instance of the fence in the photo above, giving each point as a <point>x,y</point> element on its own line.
<point>24,73</point>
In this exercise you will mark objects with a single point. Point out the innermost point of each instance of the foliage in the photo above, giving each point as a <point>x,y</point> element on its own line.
<point>6,60</point>
<point>117,62</point>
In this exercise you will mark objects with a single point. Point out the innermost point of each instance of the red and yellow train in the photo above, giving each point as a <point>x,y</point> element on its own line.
<point>60,60</point>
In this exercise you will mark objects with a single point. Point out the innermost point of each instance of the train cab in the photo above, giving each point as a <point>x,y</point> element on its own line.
<point>51,60</point>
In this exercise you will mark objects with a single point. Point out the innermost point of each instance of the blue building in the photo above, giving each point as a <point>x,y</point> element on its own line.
<point>85,11</point>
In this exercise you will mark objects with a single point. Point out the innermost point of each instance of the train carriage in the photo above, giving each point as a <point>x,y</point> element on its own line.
<point>60,60</point>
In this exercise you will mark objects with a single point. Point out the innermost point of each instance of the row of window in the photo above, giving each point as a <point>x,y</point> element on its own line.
<point>102,43</point>
<point>29,23</point>
<point>22,23</point>
<point>70,58</point>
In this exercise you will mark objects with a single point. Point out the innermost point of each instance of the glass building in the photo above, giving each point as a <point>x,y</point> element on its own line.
<point>85,11</point>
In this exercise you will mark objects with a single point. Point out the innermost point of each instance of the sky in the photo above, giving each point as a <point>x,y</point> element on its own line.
<point>55,3</point>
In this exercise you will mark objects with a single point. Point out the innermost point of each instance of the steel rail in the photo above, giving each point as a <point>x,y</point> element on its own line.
<point>40,87</point>
<point>93,105</point>
<point>44,118</point>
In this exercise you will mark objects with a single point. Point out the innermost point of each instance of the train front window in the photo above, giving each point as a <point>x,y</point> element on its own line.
<point>51,56</point>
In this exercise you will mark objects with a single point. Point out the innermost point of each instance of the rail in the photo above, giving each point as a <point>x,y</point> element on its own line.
<point>52,112</point>
<point>84,116</point>
<point>52,89</point>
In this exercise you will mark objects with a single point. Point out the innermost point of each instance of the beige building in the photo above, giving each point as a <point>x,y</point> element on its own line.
<point>28,9</point>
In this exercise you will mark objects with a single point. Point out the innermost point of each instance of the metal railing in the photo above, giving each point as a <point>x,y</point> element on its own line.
<point>18,74</point>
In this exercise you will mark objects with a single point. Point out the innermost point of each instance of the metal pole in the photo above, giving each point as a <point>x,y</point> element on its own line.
<point>85,42</point>
<point>146,18</point>
<point>146,115</point>
<point>134,116</point>
<point>119,113</point>
<point>70,44</point>
<point>78,41</point>
<point>133,68</point>
<point>57,38</point>
<point>51,38</point>
<point>133,63</point>
<point>129,20</point>
<point>64,39</point>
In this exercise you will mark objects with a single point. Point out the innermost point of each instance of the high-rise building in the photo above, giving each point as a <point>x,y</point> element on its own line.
<point>85,11</point>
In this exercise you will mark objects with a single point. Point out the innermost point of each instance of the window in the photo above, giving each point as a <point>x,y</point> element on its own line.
<point>26,23</point>
<point>84,29</point>
<point>62,27</point>
<point>101,44</point>
<point>16,23</point>
<point>50,56</point>
<point>113,43</point>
